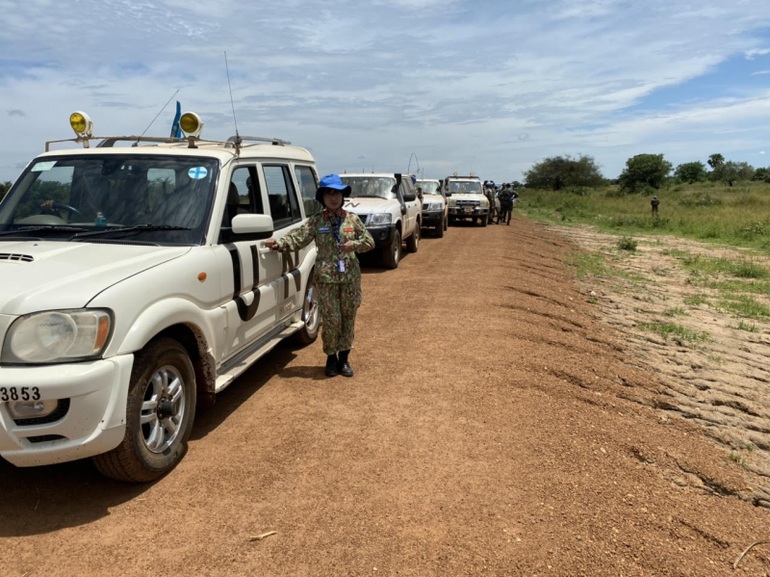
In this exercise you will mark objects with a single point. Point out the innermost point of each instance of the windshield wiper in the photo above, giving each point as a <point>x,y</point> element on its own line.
<point>43,228</point>
<point>127,229</point>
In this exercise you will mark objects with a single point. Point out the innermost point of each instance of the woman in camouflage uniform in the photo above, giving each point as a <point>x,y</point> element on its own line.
<point>338,235</point>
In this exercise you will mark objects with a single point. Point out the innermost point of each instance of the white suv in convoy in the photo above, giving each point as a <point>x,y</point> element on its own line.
<point>390,207</point>
<point>434,205</point>
<point>466,199</point>
<point>135,287</point>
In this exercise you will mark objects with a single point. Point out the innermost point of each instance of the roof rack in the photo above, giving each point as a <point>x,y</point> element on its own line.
<point>274,141</point>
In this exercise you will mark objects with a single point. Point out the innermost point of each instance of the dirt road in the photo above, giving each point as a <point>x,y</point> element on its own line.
<point>496,425</point>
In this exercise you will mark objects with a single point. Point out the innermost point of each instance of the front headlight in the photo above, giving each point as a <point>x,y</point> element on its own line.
<point>57,336</point>
<point>379,219</point>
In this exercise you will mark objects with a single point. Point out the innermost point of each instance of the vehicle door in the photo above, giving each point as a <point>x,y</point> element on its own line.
<point>249,277</point>
<point>286,205</point>
<point>410,203</point>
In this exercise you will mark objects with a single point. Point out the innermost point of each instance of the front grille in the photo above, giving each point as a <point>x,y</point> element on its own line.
<point>472,203</point>
<point>13,257</point>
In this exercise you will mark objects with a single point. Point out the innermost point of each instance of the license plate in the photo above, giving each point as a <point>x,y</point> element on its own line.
<point>9,394</point>
<point>468,210</point>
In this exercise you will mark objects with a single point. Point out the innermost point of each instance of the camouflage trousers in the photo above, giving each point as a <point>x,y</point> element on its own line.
<point>338,304</point>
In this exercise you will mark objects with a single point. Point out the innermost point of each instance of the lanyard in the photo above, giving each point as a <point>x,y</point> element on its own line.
<point>336,228</point>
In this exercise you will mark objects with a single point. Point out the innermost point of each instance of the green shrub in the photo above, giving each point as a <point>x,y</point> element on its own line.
<point>627,243</point>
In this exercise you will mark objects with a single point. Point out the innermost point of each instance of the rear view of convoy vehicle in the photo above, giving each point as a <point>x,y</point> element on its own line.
<point>390,208</point>
<point>135,287</point>
<point>434,206</point>
<point>466,199</point>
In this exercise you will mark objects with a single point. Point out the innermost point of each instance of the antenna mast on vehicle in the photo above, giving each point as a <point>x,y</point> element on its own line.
<point>237,139</point>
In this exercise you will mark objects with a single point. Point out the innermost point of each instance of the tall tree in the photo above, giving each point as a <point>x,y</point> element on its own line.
<point>691,172</point>
<point>643,172</point>
<point>716,160</point>
<point>731,172</point>
<point>560,172</point>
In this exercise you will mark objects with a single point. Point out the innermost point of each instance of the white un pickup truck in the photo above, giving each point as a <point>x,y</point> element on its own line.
<point>391,209</point>
<point>136,287</point>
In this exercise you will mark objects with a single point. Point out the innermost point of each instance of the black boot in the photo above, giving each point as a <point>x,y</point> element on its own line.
<point>331,366</point>
<point>343,366</point>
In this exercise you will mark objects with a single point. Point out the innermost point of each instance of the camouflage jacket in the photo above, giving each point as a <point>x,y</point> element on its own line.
<point>325,230</point>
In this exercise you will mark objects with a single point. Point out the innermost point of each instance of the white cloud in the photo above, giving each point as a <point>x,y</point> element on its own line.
<point>486,85</point>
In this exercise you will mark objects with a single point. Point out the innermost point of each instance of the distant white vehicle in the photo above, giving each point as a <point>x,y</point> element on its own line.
<point>466,199</point>
<point>389,206</point>
<point>435,210</point>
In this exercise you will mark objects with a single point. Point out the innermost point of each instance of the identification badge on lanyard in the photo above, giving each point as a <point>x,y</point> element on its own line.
<point>341,265</point>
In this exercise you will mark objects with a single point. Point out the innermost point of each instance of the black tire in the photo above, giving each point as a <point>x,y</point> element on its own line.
<point>391,256</point>
<point>160,410</point>
<point>484,221</point>
<point>439,230</point>
<point>310,314</point>
<point>413,242</point>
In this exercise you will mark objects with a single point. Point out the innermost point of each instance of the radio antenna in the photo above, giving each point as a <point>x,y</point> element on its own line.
<point>232,105</point>
<point>159,113</point>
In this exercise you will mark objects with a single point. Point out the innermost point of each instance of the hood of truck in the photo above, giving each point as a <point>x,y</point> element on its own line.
<point>371,205</point>
<point>45,275</point>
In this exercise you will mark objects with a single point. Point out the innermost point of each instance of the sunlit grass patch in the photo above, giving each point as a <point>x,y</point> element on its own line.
<point>679,334</point>
<point>674,312</point>
<point>586,264</point>
<point>744,326</point>
<point>695,300</point>
<point>744,306</point>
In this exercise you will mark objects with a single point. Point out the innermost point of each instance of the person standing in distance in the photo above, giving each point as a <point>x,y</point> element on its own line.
<point>338,235</point>
<point>506,204</point>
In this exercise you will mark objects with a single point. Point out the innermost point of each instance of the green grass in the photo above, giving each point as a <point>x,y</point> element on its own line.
<point>585,265</point>
<point>627,243</point>
<point>745,307</point>
<point>737,216</point>
<point>714,212</point>
<point>679,334</point>
<point>674,312</point>
<point>695,300</point>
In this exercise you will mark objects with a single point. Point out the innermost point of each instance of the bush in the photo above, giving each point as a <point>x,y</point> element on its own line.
<point>627,243</point>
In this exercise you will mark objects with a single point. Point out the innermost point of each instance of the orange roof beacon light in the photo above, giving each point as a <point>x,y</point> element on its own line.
<point>82,126</point>
<point>191,124</point>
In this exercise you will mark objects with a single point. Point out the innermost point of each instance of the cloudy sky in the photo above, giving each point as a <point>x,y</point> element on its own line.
<point>430,86</point>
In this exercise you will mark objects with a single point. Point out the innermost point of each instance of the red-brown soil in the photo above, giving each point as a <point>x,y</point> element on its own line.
<point>501,422</point>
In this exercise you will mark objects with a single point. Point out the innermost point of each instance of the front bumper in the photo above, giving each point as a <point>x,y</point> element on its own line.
<point>93,423</point>
<point>382,235</point>
<point>468,211</point>
<point>432,218</point>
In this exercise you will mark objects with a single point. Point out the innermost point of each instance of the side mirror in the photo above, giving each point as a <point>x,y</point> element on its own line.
<point>252,226</point>
<point>409,197</point>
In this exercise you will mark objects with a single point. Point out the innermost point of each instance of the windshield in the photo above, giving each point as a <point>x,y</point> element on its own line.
<point>165,199</point>
<point>373,186</point>
<point>469,186</point>
<point>428,186</point>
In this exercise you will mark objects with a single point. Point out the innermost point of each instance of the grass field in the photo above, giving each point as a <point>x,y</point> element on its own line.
<point>712,212</point>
